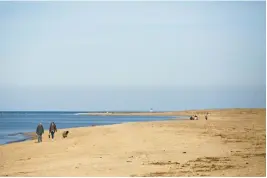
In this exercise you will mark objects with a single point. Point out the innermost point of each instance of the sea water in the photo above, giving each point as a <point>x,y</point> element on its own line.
<point>14,124</point>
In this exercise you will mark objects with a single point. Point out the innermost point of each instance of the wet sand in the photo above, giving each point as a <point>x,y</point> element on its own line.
<point>231,142</point>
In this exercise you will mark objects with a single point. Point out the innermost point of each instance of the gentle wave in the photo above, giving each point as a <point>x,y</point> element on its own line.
<point>81,114</point>
<point>15,134</point>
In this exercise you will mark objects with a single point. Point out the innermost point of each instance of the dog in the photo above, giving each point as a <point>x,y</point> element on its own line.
<point>65,134</point>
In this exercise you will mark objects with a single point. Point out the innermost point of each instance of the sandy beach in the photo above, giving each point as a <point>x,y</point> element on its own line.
<point>232,142</point>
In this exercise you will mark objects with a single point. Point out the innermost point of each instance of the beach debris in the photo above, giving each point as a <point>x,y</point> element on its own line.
<point>184,152</point>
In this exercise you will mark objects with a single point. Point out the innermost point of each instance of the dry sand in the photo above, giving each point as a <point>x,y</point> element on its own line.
<point>231,143</point>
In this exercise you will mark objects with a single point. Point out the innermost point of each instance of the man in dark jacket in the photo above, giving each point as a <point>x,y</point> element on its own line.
<point>52,129</point>
<point>39,132</point>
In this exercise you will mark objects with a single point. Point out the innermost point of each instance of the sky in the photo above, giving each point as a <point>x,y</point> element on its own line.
<point>132,55</point>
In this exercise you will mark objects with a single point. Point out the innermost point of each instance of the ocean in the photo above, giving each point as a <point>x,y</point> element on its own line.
<point>14,124</point>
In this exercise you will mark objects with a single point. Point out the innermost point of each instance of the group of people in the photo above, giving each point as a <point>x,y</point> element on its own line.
<point>40,131</point>
<point>195,117</point>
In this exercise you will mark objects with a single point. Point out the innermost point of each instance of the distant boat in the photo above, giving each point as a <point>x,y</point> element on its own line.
<point>151,109</point>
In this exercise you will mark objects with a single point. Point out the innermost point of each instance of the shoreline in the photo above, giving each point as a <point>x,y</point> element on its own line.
<point>28,136</point>
<point>172,113</point>
<point>230,143</point>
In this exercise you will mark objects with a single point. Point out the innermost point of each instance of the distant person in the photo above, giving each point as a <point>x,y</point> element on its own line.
<point>39,132</point>
<point>52,129</point>
<point>196,118</point>
<point>206,116</point>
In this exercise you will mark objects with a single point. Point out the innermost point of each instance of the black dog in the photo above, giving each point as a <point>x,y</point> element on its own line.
<point>65,134</point>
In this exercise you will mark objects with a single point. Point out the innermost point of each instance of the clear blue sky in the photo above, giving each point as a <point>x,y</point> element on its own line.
<point>132,55</point>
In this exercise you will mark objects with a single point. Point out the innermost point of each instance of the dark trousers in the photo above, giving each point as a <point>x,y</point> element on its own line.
<point>52,134</point>
<point>39,137</point>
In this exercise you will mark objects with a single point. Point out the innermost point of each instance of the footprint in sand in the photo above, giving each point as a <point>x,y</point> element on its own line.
<point>77,167</point>
<point>24,159</point>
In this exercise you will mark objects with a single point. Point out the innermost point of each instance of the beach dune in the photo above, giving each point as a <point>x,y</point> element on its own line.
<point>232,142</point>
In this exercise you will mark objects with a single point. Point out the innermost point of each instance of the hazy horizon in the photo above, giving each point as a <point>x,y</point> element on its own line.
<point>95,56</point>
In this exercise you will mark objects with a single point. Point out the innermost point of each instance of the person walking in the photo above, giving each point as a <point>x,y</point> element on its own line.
<point>39,132</point>
<point>206,116</point>
<point>196,118</point>
<point>52,129</point>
